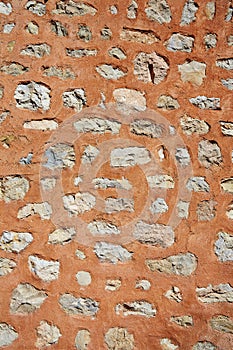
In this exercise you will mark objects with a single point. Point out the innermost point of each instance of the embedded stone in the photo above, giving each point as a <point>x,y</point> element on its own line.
<point>222,323</point>
<point>15,242</point>
<point>74,99</point>
<point>197,184</point>
<point>36,50</point>
<point>191,125</point>
<point>112,285</point>
<point>150,67</point>
<point>158,11</point>
<point>14,69</point>
<point>167,102</point>
<point>47,270</point>
<point>192,72</point>
<point>36,7</point>
<point>204,345</point>
<point>60,155</point>
<point>7,333</point>
<point>228,83</point>
<point>78,203</point>
<point>44,210</point>
<point>82,339</point>
<point>32,96</point>
<point>210,41</point>
<point>138,35</point>
<point>225,63</point>
<point>136,308</point>
<point>227,128</point>
<point>110,72</point>
<point>223,247</point>
<point>13,188</point>
<point>6,266</point>
<point>206,210</point>
<point>44,124</point>
<point>209,153</point>
<point>83,278</point>
<point>183,321</point>
<point>128,99</point>
<point>114,205</point>
<point>182,156</point>
<point>100,227</point>
<point>47,335</point>
<point>189,12</point>
<point>215,294</point>
<point>78,306</point>
<point>89,154</point>
<point>119,338</point>
<point>154,234</point>
<point>97,126</point>
<point>79,53</point>
<point>58,28</point>
<point>179,42</point>
<point>146,127</point>
<point>111,253</point>
<point>62,236</point>
<point>71,8</point>
<point>117,53</point>
<point>129,156</point>
<point>174,294</point>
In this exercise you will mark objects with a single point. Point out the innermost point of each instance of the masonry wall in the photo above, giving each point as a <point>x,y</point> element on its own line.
<point>116,175</point>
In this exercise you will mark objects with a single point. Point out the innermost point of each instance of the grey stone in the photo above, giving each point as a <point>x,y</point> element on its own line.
<point>222,323</point>
<point>129,156</point>
<point>89,154</point>
<point>7,334</point>
<point>180,42</point>
<point>227,185</point>
<point>215,294</point>
<point>58,28</point>
<point>209,153</point>
<point>84,33</point>
<point>132,10</point>
<point>117,53</point>
<point>197,184</point>
<point>118,338</point>
<point>206,210</point>
<point>228,83</point>
<point>15,242</point>
<point>97,125</point>
<point>110,72</point>
<point>13,188</point>
<point>26,299</point>
<point>182,156</point>
<point>147,37</point>
<point>225,63</point>
<point>130,100</point>
<point>62,236</point>
<point>59,72</point>
<point>32,96</point>
<point>166,344</point>
<point>183,264</point>
<point>72,8</point>
<point>227,127</point>
<point>191,125</point>
<point>83,278</point>
<point>136,308</point>
<point>46,270</point>
<point>44,124</point>
<point>210,40</point>
<point>14,69</point>
<point>183,209</point>
<point>5,8</point>
<point>189,12</point>
<point>146,127</point>
<point>114,205</point>
<point>174,294</point>
<point>183,321</point>
<point>74,99</point>
<point>78,306</point>
<point>44,210</point>
<point>106,33</point>
<point>158,11</point>
<point>100,227</point>
<point>78,203</point>
<point>48,183</point>
<point>160,181</point>
<point>79,53</point>
<point>104,183</point>
<point>150,67</point>
<point>82,339</point>
<point>203,102</point>
<point>143,284</point>
<point>113,285</point>
<point>32,28</point>
<point>210,10</point>
<point>193,72</point>
<point>204,345</point>
<point>8,27</point>
<point>36,50</point>
<point>154,234</point>
<point>223,247</point>
<point>36,7</point>
<point>167,102</point>
<point>47,335</point>
<point>111,253</point>
<point>6,266</point>
<point>60,155</point>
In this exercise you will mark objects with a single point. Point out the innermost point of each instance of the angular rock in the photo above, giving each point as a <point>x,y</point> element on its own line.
<point>111,253</point>
<point>79,53</point>
<point>84,33</point>
<point>36,50</point>
<point>47,335</point>
<point>89,154</point>
<point>119,338</point>
<point>183,321</point>
<point>192,72</point>
<point>179,42</point>
<point>78,203</point>
<point>6,266</point>
<point>13,188</point>
<point>58,28</point>
<point>129,156</point>
<point>204,345</point>
<point>74,99</point>
<point>7,29</point>
<point>225,63</point>
<point>210,10</point>
<point>78,306</point>
<point>136,308</point>
<point>158,11</point>
<point>5,8</point>
<point>36,7</point>
<point>14,69</point>
<point>167,102</point>
<point>228,83</point>
<point>101,227</point>
<point>182,156</point>
<point>26,299</point>
<point>32,28</point>
<point>209,153</point>
<point>110,72</point>
<point>154,234</point>
<point>62,236</point>
<point>97,126</point>
<point>104,183</point>
<point>82,339</point>
<point>197,184</point>
<point>112,285</point>
<point>174,294</point>
<point>128,99</point>
<point>223,247</point>
<point>83,278</point>
<point>181,264</point>
<point>226,128</point>
<point>210,41</point>
<point>222,323</point>
<point>215,294</point>
<point>7,333</point>
<point>58,72</point>
<point>44,124</point>
<point>146,127</point>
<point>117,53</point>
<point>191,126</point>
<point>227,185</point>
<point>166,344</point>
<point>71,8</point>
<point>132,10</point>
<point>60,155</point>
<point>189,12</point>
<point>203,102</point>
<point>150,67</point>
<point>32,96</point>
<point>44,210</point>
<point>183,209</point>
<point>115,205</point>
<point>15,242</point>
<point>206,210</point>
<point>47,270</point>
<point>138,35</point>
<point>160,181</point>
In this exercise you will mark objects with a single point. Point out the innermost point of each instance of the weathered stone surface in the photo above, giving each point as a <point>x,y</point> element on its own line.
<point>182,156</point>
<point>71,8</point>
<point>83,278</point>
<point>210,10</point>
<point>160,181</point>
<point>204,345</point>
<point>104,183</point>
<point>7,333</point>
<point>32,28</point>
<point>191,126</point>
<point>100,227</point>
<point>44,124</point>
<point>79,53</point>
<point>78,306</point>
<point>13,188</point>
<point>192,72</point>
<point>44,210</point>
<point>117,53</point>
<point>197,184</point>
<point>129,156</point>
<point>174,294</point>
<point>154,234</point>
<point>89,154</point>
<point>5,8</point>
<point>210,41</point>
<point>78,203</point>
<point>228,83</point>
<point>224,247</point>
<point>166,344</point>
<point>14,69</point>
<point>47,270</point>
<point>209,153</point>
<point>183,321</point>
<point>74,99</point>
<point>15,242</point>
<point>6,266</point>
<point>132,10</point>
<point>146,127</point>
<point>47,335</point>
<point>180,264</point>
<point>227,185</point>
<point>112,285</point>
<point>32,96</point>
<point>215,294</point>
<point>143,284</point>
<point>58,28</point>
<point>227,127</point>
<point>139,36</point>
<point>58,72</point>
<point>136,308</point>
<point>150,67</point>
<point>110,72</point>
<point>60,155</point>
<point>36,50</point>
<point>114,205</point>
<point>189,12</point>
<point>206,210</point>
<point>158,11</point>
<point>183,209</point>
<point>225,63</point>
<point>222,323</point>
<point>97,125</point>
<point>62,236</point>
<point>159,206</point>
<point>106,33</point>
<point>111,253</point>
<point>180,42</point>
<point>82,339</point>
<point>128,99</point>
<point>7,29</point>
<point>84,33</point>
<point>36,7</point>
<point>119,338</point>
<point>167,102</point>
<point>204,102</point>
<point>26,299</point>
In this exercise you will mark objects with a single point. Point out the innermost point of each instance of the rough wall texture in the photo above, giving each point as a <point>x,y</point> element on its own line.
<point>69,280</point>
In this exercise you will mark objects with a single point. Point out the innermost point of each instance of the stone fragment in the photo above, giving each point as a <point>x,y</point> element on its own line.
<point>113,285</point>
<point>136,308</point>
<point>197,184</point>
<point>32,28</point>
<point>47,335</point>
<point>132,10</point>
<point>47,270</point>
<point>189,12</point>
<point>15,242</point>
<point>227,185</point>
<point>150,67</point>
<point>80,254</point>
<point>8,27</point>
<point>129,156</point>
<point>62,236</point>
<point>13,188</point>
<point>146,127</point>
<point>32,96</point>
<point>228,83</point>
<point>44,124</point>
<point>191,125</point>
<point>138,35</point>
<point>174,294</point>
<point>210,10</point>
<point>154,234</point>
<point>128,99</point>
<point>143,284</point>
<point>5,8</point>
<point>84,33</point>
<point>182,156</point>
<point>158,11</point>
<point>82,339</point>
<point>74,99</point>
<point>48,183</point>
<point>227,127</point>
<point>119,338</point>
<point>114,205</point>
<point>6,266</point>
<point>225,63</point>
<point>36,50</point>
<point>83,278</point>
<point>209,153</point>
<point>166,344</point>
<point>78,306</point>
<point>58,28</point>
<point>44,210</point>
<point>89,154</point>
<point>117,53</point>
<point>210,41</point>
<point>206,210</point>
<point>79,53</point>
<point>183,209</point>
<point>97,126</point>
<point>78,203</point>
<point>71,8</point>
<point>111,253</point>
<point>14,69</point>
<point>167,102</point>
<point>106,33</point>
<point>215,294</point>
<point>26,299</point>
<point>60,155</point>
<point>58,72</point>
<point>36,7</point>
<point>183,321</point>
<point>110,72</point>
<point>104,183</point>
<point>181,264</point>
<point>223,247</point>
<point>7,333</point>
<point>180,42</point>
<point>222,323</point>
<point>192,72</point>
